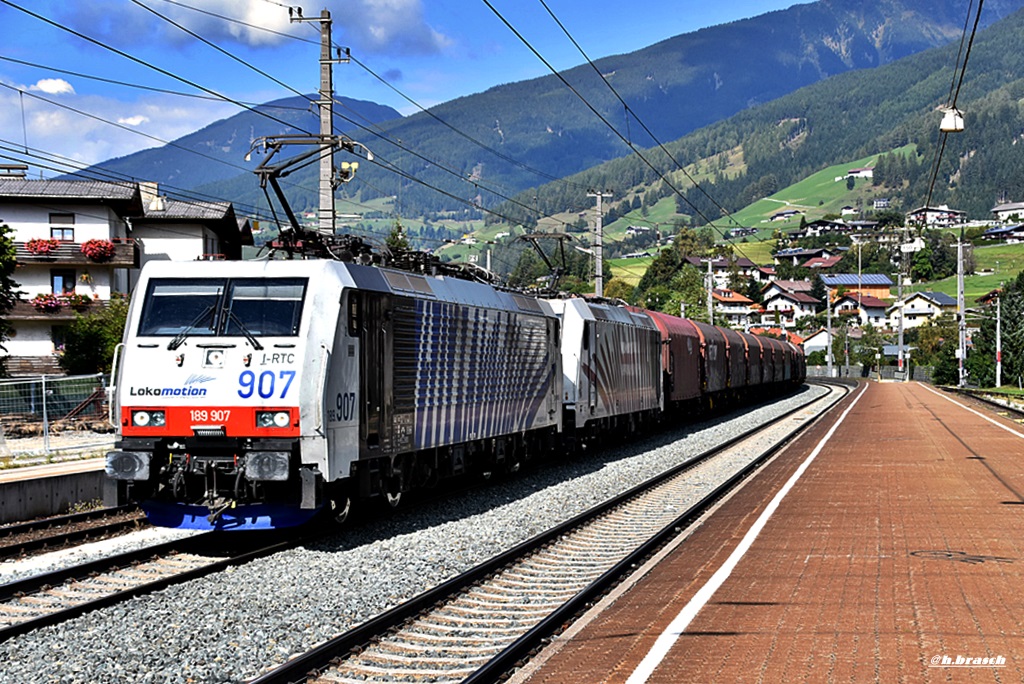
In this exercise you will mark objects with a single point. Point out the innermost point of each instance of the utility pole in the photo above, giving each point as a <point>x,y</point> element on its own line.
<point>999,340</point>
<point>327,221</point>
<point>711,288</point>
<point>961,315</point>
<point>598,246</point>
<point>828,333</point>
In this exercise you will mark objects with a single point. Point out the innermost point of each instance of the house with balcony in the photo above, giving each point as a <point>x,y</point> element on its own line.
<point>722,269</point>
<point>731,307</point>
<point>919,308</point>
<point>790,306</point>
<point>864,308</point>
<point>77,243</point>
<point>936,217</point>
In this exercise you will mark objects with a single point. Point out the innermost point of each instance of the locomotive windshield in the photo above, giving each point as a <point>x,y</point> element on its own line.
<point>231,307</point>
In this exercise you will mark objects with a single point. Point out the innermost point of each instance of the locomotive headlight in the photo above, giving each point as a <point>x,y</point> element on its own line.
<point>149,418</point>
<point>268,419</point>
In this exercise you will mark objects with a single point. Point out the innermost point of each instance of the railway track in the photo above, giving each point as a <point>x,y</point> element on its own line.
<point>62,531</point>
<point>477,626</point>
<point>980,396</point>
<point>53,597</point>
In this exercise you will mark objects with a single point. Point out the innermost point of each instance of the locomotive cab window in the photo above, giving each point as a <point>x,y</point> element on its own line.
<point>229,307</point>
<point>265,307</point>
<point>172,306</point>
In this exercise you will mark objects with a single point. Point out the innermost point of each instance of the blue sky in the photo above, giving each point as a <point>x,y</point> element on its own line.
<point>430,50</point>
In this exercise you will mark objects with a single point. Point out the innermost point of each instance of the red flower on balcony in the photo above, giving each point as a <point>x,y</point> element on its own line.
<point>42,246</point>
<point>48,302</point>
<point>98,250</point>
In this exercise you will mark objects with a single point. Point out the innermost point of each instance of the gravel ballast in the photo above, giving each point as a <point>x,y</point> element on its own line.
<point>233,625</point>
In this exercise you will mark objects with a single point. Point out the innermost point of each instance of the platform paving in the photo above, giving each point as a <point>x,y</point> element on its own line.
<point>897,556</point>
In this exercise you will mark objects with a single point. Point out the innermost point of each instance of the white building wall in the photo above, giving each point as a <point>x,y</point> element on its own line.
<point>92,222</point>
<point>31,338</point>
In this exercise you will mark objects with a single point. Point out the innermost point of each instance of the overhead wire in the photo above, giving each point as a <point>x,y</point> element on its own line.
<point>629,112</point>
<point>596,113</point>
<point>957,81</point>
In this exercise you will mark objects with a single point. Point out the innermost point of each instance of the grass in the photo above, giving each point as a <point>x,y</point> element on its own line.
<point>994,265</point>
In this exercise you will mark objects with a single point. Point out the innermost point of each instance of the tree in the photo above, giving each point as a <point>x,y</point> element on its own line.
<point>688,289</point>
<point>617,288</point>
<point>819,292</point>
<point>396,240</point>
<point>8,288</point>
<point>89,342</point>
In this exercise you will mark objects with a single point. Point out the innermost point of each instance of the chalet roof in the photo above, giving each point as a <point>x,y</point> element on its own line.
<point>730,297</point>
<point>823,262</point>
<point>1009,206</point>
<point>940,298</point>
<point>866,301</point>
<point>191,210</point>
<point>848,279</point>
<point>943,208</point>
<point>799,297</point>
<point>1003,230</point>
<point>742,262</point>
<point>790,285</point>
<point>67,189</point>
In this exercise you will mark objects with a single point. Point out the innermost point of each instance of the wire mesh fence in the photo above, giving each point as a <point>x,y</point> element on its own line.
<point>53,398</point>
<point>47,404</point>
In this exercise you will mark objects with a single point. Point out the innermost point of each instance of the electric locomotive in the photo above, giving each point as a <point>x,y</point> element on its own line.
<point>255,394</point>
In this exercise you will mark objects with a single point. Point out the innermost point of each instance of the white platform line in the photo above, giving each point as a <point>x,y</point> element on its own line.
<point>668,638</point>
<point>980,415</point>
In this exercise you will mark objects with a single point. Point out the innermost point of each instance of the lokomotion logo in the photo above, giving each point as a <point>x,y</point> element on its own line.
<point>188,390</point>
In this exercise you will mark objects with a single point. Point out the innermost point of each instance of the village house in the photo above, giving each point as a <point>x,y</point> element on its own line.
<point>731,307</point>
<point>1009,211</point>
<point>920,308</point>
<point>936,217</point>
<point>797,256</point>
<point>791,306</point>
<point>722,269</point>
<point>78,243</point>
<point>874,284</point>
<point>865,308</point>
<point>1011,234</point>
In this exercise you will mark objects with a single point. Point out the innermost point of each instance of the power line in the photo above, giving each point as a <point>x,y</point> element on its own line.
<point>598,114</point>
<point>148,65</point>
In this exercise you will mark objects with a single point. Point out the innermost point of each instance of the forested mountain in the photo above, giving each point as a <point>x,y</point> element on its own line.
<point>674,87</point>
<point>852,116</point>
<point>222,145</point>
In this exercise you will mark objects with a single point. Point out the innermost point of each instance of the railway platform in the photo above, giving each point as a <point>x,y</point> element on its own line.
<point>886,544</point>
<point>53,488</point>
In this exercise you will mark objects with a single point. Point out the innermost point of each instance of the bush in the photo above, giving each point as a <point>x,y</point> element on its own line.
<point>89,342</point>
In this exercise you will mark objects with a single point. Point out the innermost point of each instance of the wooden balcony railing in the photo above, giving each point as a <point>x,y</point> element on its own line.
<point>26,311</point>
<point>126,255</point>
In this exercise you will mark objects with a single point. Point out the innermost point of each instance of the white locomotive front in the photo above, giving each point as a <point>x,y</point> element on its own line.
<point>253,394</point>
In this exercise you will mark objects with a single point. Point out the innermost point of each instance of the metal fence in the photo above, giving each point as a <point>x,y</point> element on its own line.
<point>48,399</point>
<point>921,373</point>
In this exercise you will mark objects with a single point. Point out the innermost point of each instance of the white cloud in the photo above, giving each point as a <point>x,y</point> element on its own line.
<point>133,120</point>
<point>393,26</point>
<point>108,133</point>
<point>53,86</point>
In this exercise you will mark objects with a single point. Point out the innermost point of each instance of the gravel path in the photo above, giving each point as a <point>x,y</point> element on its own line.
<point>234,625</point>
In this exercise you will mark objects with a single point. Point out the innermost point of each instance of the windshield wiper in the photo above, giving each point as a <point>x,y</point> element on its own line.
<point>180,337</point>
<point>245,331</point>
